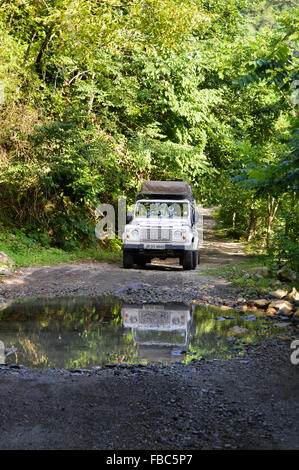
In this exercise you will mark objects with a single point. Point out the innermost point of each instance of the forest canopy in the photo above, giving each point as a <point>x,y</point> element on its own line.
<point>96,96</point>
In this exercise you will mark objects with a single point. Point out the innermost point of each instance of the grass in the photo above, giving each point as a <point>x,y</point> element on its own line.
<point>236,270</point>
<point>237,274</point>
<point>26,251</point>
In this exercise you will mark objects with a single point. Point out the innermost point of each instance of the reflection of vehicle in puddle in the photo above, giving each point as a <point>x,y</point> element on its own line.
<point>158,329</point>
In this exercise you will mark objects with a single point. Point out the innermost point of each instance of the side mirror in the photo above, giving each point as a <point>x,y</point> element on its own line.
<point>129,217</point>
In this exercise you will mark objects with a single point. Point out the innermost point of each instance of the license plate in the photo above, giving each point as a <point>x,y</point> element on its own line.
<point>154,246</point>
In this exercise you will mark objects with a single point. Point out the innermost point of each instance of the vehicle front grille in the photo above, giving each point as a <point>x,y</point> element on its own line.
<point>157,233</point>
<point>154,319</point>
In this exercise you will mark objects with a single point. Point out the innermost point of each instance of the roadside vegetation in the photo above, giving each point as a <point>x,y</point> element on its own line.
<point>97,96</point>
<point>240,278</point>
<point>28,251</point>
<point>257,257</point>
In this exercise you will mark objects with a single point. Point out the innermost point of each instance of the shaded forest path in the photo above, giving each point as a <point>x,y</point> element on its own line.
<point>97,278</point>
<point>218,251</point>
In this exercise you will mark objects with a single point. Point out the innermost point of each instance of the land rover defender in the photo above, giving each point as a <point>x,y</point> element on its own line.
<point>162,226</point>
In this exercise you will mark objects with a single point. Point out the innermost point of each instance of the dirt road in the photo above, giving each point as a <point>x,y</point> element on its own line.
<point>248,402</point>
<point>99,278</point>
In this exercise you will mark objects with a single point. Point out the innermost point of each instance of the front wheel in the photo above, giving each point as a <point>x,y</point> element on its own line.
<point>195,259</point>
<point>141,261</point>
<point>188,260</point>
<point>128,260</point>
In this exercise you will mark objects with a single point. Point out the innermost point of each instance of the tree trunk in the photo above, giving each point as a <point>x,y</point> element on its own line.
<point>234,220</point>
<point>272,208</point>
<point>42,48</point>
<point>251,227</point>
<point>290,214</point>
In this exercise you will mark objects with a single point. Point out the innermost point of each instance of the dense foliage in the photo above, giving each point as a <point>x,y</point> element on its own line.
<point>98,96</point>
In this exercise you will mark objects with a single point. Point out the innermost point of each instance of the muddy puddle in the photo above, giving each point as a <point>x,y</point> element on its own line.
<point>85,332</point>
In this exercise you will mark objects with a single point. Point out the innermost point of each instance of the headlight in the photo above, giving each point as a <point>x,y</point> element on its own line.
<point>178,320</point>
<point>178,234</point>
<point>133,234</point>
<point>133,319</point>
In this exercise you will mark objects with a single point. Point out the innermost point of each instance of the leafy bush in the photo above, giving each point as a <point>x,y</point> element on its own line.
<point>285,245</point>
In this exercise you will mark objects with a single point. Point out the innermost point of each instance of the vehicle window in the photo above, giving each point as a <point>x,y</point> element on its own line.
<point>162,209</point>
<point>141,210</point>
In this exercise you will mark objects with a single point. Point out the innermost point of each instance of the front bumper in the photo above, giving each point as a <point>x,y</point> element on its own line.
<point>167,251</point>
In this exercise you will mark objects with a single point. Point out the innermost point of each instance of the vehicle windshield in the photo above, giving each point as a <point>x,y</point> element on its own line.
<point>156,337</point>
<point>162,209</point>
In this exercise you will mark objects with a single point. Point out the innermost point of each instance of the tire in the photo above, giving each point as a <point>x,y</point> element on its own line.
<point>195,259</point>
<point>188,260</point>
<point>128,260</point>
<point>141,261</point>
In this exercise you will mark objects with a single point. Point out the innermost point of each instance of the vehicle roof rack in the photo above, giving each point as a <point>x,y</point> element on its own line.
<point>165,190</point>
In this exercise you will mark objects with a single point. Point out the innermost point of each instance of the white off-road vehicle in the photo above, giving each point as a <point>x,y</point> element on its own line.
<point>157,329</point>
<point>162,226</point>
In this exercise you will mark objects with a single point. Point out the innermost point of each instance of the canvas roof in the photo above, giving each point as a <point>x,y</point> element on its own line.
<point>177,188</point>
